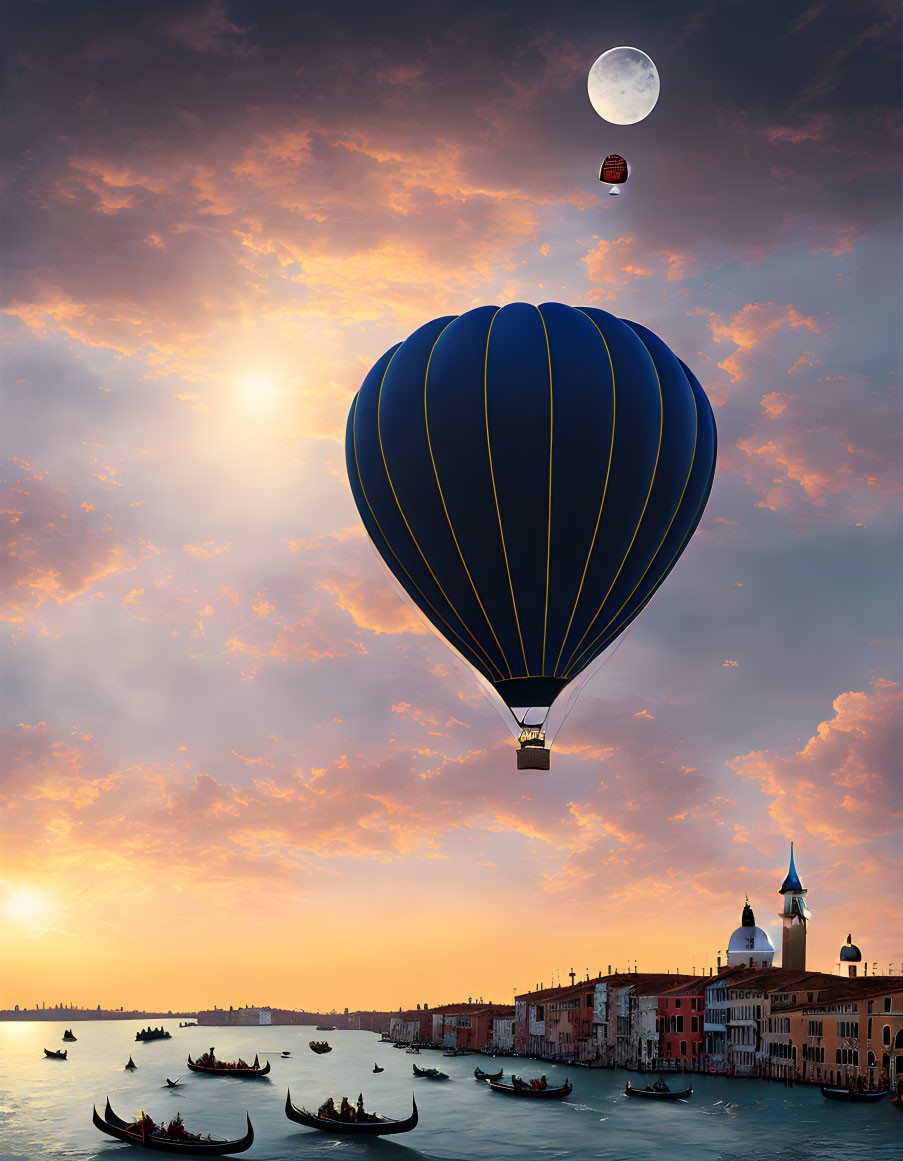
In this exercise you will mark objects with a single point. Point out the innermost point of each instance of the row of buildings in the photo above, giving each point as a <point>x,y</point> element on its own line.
<point>748,1019</point>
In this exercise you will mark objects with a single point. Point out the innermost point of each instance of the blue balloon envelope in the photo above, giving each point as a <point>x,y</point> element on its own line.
<point>530,475</point>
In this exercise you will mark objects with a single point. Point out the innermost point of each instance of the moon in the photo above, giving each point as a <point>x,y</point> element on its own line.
<point>623,86</point>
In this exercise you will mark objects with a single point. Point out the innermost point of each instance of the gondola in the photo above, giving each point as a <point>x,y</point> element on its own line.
<point>172,1083</point>
<point>376,1068</point>
<point>429,1073</point>
<point>844,1094</point>
<point>69,1035</point>
<point>131,1064</point>
<point>320,1046</point>
<point>153,1034</point>
<point>522,1089</point>
<point>188,1024</point>
<point>63,1054</point>
<point>251,1070</point>
<point>412,1051</point>
<point>326,1027</point>
<point>481,1075</point>
<point>661,1095</point>
<point>130,1132</point>
<point>378,1127</point>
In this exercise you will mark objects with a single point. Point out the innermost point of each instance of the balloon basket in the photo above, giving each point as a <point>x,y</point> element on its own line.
<point>533,758</point>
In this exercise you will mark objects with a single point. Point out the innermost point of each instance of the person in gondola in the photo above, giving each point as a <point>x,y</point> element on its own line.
<point>361,1115</point>
<point>660,1086</point>
<point>346,1112</point>
<point>327,1109</point>
<point>543,1083</point>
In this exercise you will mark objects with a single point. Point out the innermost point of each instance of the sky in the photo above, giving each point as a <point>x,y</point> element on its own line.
<point>237,768</point>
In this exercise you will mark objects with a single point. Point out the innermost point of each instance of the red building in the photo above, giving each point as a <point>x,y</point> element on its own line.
<point>680,1020</point>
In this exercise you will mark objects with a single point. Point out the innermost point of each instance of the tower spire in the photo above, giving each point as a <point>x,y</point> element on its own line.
<point>795,915</point>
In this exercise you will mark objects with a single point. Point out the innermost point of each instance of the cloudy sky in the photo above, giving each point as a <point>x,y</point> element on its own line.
<point>223,728</point>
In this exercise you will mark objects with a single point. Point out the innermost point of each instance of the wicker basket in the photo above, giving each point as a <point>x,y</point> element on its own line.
<point>533,758</point>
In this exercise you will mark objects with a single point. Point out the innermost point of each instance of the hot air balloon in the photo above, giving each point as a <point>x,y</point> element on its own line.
<point>613,171</point>
<point>530,475</point>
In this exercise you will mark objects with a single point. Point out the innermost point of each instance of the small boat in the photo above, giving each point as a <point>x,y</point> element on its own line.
<point>131,1064</point>
<point>220,1068</point>
<point>326,1028</point>
<point>132,1133</point>
<point>412,1051</point>
<point>377,1127</point>
<point>481,1075</point>
<point>172,1083</point>
<point>286,1053</point>
<point>69,1035</point>
<point>844,1094</point>
<point>429,1073</point>
<point>320,1046</point>
<point>63,1054</point>
<point>523,1089</point>
<point>376,1068</point>
<point>153,1034</point>
<point>661,1094</point>
<point>188,1024</point>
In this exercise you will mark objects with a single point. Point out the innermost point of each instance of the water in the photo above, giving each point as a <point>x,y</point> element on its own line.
<point>45,1105</point>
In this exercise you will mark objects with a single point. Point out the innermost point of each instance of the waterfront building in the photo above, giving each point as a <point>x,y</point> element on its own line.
<point>681,1022</point>
<point>849,960</point>
<point>502,1033</point>
<point>749,945</point>
<point>794,915</point>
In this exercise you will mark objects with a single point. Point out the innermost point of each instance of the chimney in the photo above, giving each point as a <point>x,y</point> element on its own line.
<point>719,961</point>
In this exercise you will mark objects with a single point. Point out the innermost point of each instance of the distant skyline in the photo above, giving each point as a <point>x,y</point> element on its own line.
<point>235,765</point>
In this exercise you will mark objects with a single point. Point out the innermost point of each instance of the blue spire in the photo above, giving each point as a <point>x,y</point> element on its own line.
<point>792,882</point>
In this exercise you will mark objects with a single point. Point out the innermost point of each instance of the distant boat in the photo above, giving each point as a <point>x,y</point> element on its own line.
<point>131,1064</point>
<point>69,1035</point>
<point>153,1034</point>
<point>664,1094</point>
<point>188,1024</point>
<point>376,1068</point>
<point>429,1073</point>
<point>133,1134</point>
<point>320,1046</point>
<point>479,1074</point>
<point>221,1069</point>
<point>844,1094</point>
<point>522,1089</point>
<point>326,1028</point>
<point>54,1055</point>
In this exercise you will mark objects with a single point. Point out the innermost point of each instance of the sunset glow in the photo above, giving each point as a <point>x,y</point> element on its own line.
<point>236,766</point>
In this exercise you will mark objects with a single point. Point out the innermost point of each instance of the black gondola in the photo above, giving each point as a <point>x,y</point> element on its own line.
<point>481,1075</point>
<point>844,1094</point>
<point>378,1127</point>
<point>320,1046</point>
<point>230,1069</point>
<point>131,1064</point>
<point>69,1035</point>
<point>172,1083</point>
<point>429,1073</point>
<point>523,1089</point>
<point>662,1094</point>
<point>63,1054</point>
<point>376,1068</point>
<point>130,1132</point>
<point>153,1034</point>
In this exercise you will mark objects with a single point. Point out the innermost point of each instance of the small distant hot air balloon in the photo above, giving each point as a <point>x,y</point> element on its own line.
<point>614,172</point>
<point>530,476</point>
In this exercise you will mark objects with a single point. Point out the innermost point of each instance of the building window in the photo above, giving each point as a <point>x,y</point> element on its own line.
<point>885,1035</point>
<point>683,1048</point>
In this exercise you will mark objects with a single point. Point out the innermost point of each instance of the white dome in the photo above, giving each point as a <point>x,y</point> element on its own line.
<point>750,941</point>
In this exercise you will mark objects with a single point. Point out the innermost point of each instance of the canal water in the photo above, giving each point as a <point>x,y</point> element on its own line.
<point>45,1105</point>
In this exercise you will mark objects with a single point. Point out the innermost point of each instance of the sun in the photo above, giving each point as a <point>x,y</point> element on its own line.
<point>26,905</point>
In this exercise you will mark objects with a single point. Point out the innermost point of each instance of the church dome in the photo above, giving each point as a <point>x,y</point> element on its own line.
<point>750,942</point>
<point>850,953</point>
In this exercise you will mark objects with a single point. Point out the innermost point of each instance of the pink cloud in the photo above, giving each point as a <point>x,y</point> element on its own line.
<point>843,786</point>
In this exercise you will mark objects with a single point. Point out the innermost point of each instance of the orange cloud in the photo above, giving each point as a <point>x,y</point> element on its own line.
<point>842,787</point>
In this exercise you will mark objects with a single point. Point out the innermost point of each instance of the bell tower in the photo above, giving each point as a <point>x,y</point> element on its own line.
<point>795,916</point>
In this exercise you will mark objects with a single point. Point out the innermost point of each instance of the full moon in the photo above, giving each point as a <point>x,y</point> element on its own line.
<point>623,86</point>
